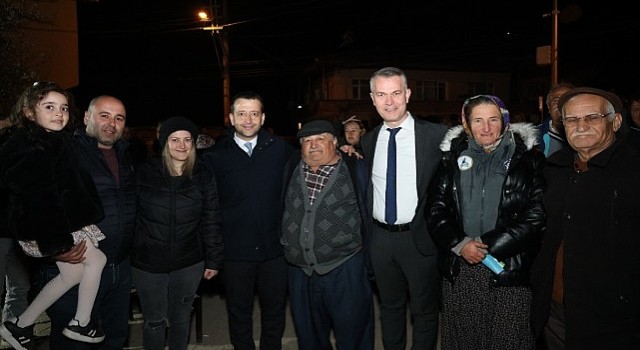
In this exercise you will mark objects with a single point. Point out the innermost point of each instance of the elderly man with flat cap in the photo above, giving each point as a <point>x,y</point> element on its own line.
<point>586,279</point>
<point>323,234</point>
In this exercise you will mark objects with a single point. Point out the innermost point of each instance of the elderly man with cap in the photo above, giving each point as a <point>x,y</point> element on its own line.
<point>178,238</point>
<point>323,234</point>
<point>586,278</point>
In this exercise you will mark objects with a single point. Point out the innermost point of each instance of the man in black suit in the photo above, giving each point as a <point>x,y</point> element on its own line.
<point>402,254</point>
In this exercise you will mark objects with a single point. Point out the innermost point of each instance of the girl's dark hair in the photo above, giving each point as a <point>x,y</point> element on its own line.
<point>30,98</point>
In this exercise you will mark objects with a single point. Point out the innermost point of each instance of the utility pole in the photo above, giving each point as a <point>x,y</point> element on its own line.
<point>217,28</point>
<point>554,44</point>
<point>226,75</point>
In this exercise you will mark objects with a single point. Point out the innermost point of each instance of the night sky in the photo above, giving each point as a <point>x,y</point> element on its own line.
<point>154,55</point>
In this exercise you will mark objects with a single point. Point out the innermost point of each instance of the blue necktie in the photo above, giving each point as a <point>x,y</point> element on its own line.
<point>249,147</point>
<point>390,209</point>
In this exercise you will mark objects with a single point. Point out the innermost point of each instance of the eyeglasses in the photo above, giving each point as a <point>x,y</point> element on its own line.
<point>591,119</point>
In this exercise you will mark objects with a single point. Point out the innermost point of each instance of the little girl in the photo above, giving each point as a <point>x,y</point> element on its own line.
<point>52,207</point>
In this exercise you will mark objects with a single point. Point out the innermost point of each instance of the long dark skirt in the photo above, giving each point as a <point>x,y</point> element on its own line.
<point>478,315</point>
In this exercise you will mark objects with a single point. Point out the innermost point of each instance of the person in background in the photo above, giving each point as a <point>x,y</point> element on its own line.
<point>450,120</point>
<point>552,136</point>
<point>353,130</point>
<point>633,120</point>
<point>52,207</point>
<point>177,239</point>
<point>100,150</point>
<point>155,146</point>
<point>204,144</point>
<point>586,278</point>
<point>137,148</point>
<point>403,255</point>
<point>15,267</point>
<point>486,198</point>
<point>250,184</point>
<point>324,231</point>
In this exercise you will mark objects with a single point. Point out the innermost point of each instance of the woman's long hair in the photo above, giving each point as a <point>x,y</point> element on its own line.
<point>187,167</point>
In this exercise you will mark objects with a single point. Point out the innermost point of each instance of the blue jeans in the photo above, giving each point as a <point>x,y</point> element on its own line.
<point>15,274</point>
<point>111,309</point>
<point>167,301</point>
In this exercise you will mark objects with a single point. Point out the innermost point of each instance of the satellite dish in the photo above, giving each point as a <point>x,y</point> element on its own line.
<point>570,13</point>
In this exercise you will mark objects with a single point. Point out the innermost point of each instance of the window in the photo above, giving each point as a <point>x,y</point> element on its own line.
<point>429,91</point>
<point>480,88</point>
<point>360,89</point>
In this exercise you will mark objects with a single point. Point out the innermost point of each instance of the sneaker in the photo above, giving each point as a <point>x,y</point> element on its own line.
<point>90,333</point>
<point>19,338</point>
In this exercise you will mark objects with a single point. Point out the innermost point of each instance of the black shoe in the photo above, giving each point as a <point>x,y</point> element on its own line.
<point>90,333</point>
<point>19,338</point>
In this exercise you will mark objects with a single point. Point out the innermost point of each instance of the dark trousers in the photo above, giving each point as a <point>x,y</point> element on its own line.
<point>340,301</point>
<point>554,330</point>
<point>405,277</point>
<point>167,303</point>
<point>15,268</point>
<point>241,281</point>
<point>111,309</point>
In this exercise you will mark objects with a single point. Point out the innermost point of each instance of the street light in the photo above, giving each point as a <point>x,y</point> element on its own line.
<point>226,81</point>
<point>204,16</point>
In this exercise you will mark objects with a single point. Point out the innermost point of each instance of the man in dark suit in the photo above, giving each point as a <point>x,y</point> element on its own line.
<point>402,254</point>
<point>248,165</point>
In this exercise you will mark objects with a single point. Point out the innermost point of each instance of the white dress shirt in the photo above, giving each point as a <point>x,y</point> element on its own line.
<point>241,143</point>
<point>406,186</point>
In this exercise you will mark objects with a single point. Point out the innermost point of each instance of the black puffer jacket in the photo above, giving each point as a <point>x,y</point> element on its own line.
<point>49,196</point>
<point>178,221</point>
<point>521,219</point>
<point>118,195</point>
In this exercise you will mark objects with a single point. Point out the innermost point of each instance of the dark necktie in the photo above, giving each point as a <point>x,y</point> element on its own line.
<point>390,209</point>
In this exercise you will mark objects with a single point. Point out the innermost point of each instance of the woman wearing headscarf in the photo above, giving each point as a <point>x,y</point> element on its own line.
<point>486,201</point>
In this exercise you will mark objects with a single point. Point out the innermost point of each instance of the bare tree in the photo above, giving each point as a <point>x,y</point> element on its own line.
<point>15,74</point>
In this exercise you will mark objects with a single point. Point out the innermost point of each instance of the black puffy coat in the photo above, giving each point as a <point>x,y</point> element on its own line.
<point>178,221</point>
<point>516,237</point>
<point>118,195</point>
<point>49,196</point>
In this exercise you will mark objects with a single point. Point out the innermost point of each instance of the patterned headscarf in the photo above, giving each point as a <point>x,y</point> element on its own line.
<point>503,111</point>
<point>503,107</point>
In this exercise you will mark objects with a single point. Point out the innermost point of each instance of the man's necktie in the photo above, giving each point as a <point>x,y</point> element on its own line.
<point>390,209</point>
<point>249,147</point>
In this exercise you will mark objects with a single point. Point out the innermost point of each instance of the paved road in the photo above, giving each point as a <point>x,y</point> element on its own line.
<point>215,335</point>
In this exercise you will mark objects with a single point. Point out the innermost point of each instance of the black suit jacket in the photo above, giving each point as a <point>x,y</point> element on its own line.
<point>428,137</point>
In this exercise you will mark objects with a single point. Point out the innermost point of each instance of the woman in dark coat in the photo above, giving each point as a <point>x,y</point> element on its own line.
<point>178,239</point>
<point>486,199</point>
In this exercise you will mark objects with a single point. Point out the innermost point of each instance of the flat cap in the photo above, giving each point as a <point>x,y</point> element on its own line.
<point>315,127</point>
<point>610,96</point>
